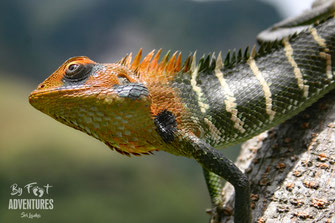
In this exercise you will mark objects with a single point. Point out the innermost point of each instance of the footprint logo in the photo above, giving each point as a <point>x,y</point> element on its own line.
<point>38,191</point>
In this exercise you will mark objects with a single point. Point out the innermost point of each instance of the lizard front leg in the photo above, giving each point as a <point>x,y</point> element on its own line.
<point>214,186</point>
<point>215,162</point>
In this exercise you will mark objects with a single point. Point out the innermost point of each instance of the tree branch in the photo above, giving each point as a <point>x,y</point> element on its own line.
<point>291,168</point>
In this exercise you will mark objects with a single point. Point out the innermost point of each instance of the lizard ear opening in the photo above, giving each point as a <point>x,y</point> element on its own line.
<point>123,79</point>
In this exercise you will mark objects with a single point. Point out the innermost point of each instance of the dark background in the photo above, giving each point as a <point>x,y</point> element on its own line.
<point>91,183</point>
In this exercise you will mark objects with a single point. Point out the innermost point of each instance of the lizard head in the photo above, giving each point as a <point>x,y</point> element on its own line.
<point>117,103</point>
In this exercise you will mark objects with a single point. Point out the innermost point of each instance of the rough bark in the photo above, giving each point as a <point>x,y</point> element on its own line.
<point>291,168</point>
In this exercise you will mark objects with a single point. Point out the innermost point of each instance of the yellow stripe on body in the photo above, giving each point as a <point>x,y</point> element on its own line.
<point>230,100</point>
<point>203,106</point>
<point>265,87</point>
<point>318,38</point>
<point>322,43</point>
<point>297,73</point>
<point>215,133</point>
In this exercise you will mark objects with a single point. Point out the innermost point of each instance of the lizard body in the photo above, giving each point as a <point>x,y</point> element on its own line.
<point>138,107</point>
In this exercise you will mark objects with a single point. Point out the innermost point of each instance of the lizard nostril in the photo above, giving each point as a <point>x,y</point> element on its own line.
<point>42,86</point>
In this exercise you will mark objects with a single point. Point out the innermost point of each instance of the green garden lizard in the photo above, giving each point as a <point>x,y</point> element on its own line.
<point>188,108</point>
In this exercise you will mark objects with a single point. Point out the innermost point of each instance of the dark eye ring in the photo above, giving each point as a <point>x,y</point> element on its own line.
<point>77,71</point>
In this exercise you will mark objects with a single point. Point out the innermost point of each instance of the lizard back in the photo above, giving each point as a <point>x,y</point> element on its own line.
<point>234,100</point>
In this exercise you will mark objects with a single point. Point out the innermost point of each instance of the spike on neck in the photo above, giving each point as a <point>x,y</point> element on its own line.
<point>153,68</point>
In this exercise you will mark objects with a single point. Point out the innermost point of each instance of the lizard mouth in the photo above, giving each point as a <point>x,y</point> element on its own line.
<point>36,96</point>
<point>39,95</point>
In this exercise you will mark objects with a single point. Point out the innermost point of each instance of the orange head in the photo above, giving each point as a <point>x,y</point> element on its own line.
<point>120,103</point>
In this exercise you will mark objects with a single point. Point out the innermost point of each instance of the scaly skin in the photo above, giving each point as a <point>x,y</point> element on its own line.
<point>138,107</point>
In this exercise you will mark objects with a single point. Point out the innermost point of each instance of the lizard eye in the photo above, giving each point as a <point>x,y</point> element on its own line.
<point>73,68</point>
<point>77,71</point>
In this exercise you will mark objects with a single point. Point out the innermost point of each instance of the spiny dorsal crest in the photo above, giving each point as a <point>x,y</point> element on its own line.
<point>152,67</point>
